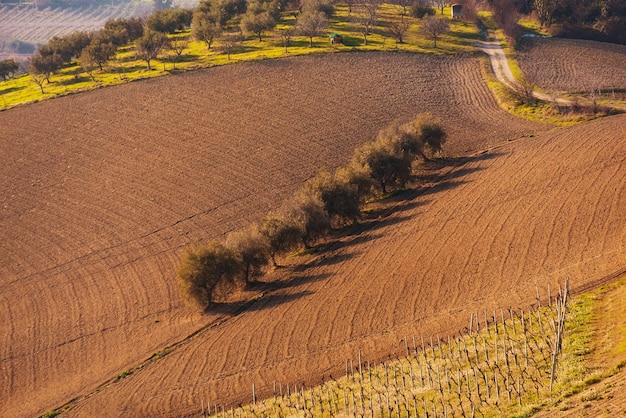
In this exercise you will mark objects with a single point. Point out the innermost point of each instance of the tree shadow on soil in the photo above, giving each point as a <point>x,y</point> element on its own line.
<point>276,299</point>
<point>337,249</point>
<point>295,280</point>
<point>405,201</point>
<point>269,295</point>
<point>444,178</point>
<point>460,161</point>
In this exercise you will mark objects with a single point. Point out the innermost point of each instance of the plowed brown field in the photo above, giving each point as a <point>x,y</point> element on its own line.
<point>100,191</point>
<point>570,65</point>
<point>523,215</point>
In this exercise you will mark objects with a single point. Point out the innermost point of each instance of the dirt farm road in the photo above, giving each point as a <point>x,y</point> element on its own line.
<point>503,73</point>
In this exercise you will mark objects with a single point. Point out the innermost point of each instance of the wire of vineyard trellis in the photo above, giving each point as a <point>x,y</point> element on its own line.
<point>495,366</point>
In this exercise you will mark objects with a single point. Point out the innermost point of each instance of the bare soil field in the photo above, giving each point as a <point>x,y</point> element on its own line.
<point>568,65</point>
<point>502,223</point>
<point>101,191</point>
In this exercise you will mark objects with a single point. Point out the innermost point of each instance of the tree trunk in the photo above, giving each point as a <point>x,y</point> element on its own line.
<point>310,42</point>
<point>149,68</point>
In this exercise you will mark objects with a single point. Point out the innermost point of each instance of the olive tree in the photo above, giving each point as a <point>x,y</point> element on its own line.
<point>257,21</point>
<point>45,62</point>
<point>260,17</point>
<point>434,26</point>
<point>309,215</point>
<point>230,41</point>
<point>252,250</point>
<point>313,6</point>
<point>150,45</point>
<point>99,51</point>
<point>339,198</point>
<point>424,135</point>
<point>389,160</point>
<point>367,17</point>
<point>169,20</point>
<point>88,64</point>
<point>69,46</point>
<point>281,233</point>
<point>205,27</point>
<point>177,45</point>
<point>8,68</point>
<point>385,164</point>
<point>38,79</point>
<point>122,31</point>
<point>202,269</point>
<point>312,24</point>
<point>398,29</point>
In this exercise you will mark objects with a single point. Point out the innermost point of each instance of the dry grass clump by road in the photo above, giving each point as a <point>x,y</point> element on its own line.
<point>495,226</point>
<point>567,65</point>
<point>102,190</point>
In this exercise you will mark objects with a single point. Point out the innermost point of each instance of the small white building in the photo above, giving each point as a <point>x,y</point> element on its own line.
<point>457,11</point>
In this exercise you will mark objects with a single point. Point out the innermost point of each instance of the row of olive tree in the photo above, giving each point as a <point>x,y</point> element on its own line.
<point>225,20</point>
<point>222,19</point>
<point>94,49</point>
<point>326,202</point>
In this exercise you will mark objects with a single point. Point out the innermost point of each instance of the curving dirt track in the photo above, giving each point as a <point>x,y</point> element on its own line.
<point>582,65</point>
<point>526,214</point>
<point>101,190</point>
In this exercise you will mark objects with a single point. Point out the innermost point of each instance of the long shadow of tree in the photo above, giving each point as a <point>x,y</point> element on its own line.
<point>339,247</point>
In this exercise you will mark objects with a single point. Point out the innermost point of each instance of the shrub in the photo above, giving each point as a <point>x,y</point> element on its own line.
<point>421,11</point>
<point>8,68</point>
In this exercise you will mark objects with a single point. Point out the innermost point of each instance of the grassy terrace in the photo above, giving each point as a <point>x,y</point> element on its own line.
<point>126,67</point>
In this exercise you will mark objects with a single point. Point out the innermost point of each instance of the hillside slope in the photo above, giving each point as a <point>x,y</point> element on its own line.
<point>520,216</point>
<point>583,66</point>
<point>100,192</point>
